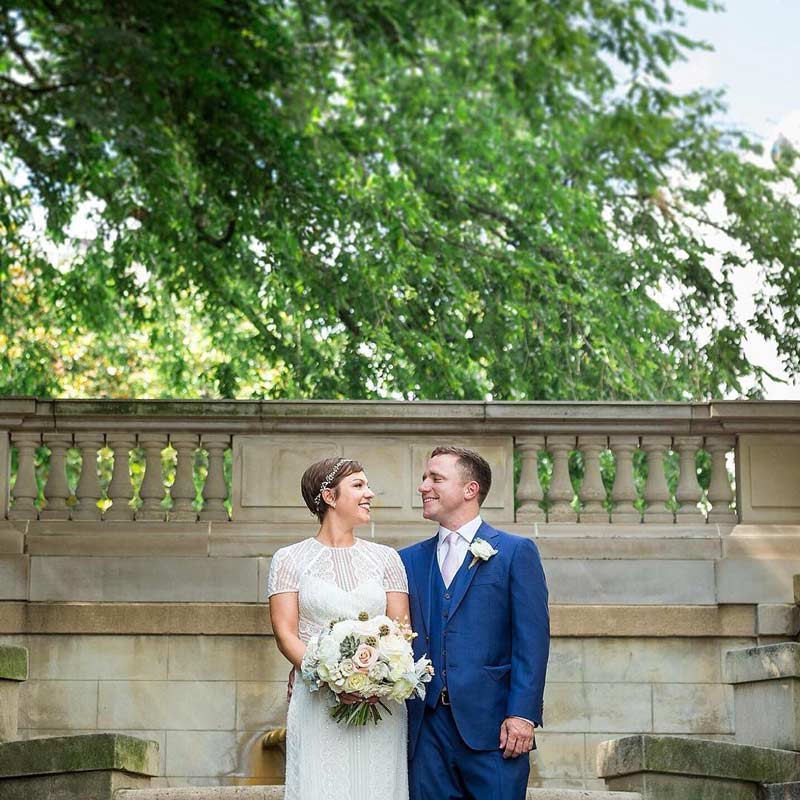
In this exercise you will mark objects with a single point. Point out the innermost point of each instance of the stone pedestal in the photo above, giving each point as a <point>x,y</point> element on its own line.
<point>766,694</point>
<point>782,791</point>
<point>13,671</point>
<point>92,767</point>
<point>672,767</point>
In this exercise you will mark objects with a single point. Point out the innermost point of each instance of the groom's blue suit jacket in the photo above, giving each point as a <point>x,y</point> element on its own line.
<point>495,641</point>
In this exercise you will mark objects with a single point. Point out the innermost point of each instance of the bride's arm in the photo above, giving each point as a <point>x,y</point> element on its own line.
<point>397,605</point>
<point>284,611</point>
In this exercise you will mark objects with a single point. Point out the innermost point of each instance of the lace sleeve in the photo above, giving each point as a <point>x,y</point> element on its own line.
<point>394,573</point>
<point>283,576</point>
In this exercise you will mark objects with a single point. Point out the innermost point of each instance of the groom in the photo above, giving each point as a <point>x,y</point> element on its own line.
<point>479,604</point>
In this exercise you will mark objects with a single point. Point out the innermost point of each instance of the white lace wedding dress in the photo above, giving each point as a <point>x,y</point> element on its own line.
<point>326,760</point>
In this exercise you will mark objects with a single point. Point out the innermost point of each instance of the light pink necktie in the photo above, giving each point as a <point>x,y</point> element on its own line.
<point>450,564</point>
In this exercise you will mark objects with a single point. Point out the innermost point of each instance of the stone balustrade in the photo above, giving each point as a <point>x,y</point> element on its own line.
<point>597,463</point>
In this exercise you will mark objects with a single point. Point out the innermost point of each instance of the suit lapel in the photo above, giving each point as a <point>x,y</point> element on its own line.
<point>426,559</point>
<point>489,534</point>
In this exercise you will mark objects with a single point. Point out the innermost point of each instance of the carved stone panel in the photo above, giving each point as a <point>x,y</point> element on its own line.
<point>267,471</point>
<point>769,472</point>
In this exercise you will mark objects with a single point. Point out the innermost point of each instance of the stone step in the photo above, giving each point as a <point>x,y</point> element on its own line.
<point>276,793</point>
<point>782,791</point>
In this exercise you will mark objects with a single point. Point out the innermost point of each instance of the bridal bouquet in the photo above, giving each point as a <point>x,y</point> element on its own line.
<point>370,658</point>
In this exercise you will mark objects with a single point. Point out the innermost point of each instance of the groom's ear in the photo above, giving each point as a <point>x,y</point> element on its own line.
<point>472,490</point>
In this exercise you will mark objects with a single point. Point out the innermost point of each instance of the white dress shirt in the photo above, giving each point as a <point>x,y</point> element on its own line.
<point>466,533</point>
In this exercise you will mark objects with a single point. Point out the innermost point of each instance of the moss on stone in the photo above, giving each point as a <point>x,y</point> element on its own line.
<point>97,751</point>
<point>13,663</point>
<point>681,755</point>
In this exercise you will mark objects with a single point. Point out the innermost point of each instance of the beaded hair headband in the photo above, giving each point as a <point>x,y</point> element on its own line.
<point>327,482</point>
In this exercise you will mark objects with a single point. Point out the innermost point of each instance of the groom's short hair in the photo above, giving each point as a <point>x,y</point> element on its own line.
<point>473,466</point>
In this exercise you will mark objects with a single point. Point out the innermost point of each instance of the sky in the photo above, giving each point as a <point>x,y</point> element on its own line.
<point>756,58</point>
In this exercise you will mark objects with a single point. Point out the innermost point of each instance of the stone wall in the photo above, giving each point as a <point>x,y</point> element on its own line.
<point>207,699</point>
<point>119,639</point>
<point>150,617</point>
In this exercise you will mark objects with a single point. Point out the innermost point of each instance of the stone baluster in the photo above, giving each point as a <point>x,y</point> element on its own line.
<point>529,491</point>
<point>152,489</point>
<point>120,489</point>
<point>215,491</point>
<point>25,491</point>
<point>688,492</point>
<point>656,491</point>
<point>720,493</point>
<point>183,490</point>
<point>593,492</point>
<point>624,491</point>
<point>561,492</point>
<point>5,473</point>
<point>88,491</point>
<point>56,490</point>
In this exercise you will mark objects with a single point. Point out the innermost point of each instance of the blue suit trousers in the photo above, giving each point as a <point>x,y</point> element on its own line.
<point>444,768</point>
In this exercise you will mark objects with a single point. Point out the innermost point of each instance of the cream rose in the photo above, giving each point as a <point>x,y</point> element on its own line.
<point>356,682</point>
<point>403,689</point>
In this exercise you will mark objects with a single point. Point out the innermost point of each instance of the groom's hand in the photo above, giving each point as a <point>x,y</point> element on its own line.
<point>516,737</point>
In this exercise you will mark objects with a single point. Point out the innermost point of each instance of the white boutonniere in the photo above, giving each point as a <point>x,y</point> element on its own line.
<point>481,551</point>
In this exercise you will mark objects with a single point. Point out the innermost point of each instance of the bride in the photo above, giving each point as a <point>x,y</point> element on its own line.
<point>335,575</point>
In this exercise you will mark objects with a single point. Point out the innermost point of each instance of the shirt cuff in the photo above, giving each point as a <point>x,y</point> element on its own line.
<point>525,719</point>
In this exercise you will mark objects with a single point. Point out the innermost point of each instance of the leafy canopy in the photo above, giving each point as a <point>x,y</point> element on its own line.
<point>319,198</point>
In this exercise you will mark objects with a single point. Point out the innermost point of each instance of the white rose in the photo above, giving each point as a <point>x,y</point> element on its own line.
<point>328,650</point>
<point>481,549</point>
<point>341,630</point>
<point>393,647</point>
<point>364,628</point>
<point>347,667</point>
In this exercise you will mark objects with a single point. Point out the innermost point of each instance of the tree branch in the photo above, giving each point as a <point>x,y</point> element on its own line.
<point>18,50</point>
<point>37,88</point>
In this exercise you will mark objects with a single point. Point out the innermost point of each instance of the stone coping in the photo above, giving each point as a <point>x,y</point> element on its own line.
<point>82,753</point>
<point>680,755</point>
<point>249,619</point>
<point>763,663</point>
<point>366,416</point>
<point>13,663</point>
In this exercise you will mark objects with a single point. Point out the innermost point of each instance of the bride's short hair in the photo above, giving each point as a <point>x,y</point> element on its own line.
<point>325,474</point>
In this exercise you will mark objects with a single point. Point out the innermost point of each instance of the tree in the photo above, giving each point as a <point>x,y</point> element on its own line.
<point>319,198</point>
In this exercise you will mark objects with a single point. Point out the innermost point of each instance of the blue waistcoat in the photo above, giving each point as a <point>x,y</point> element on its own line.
<point>441,598</point>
